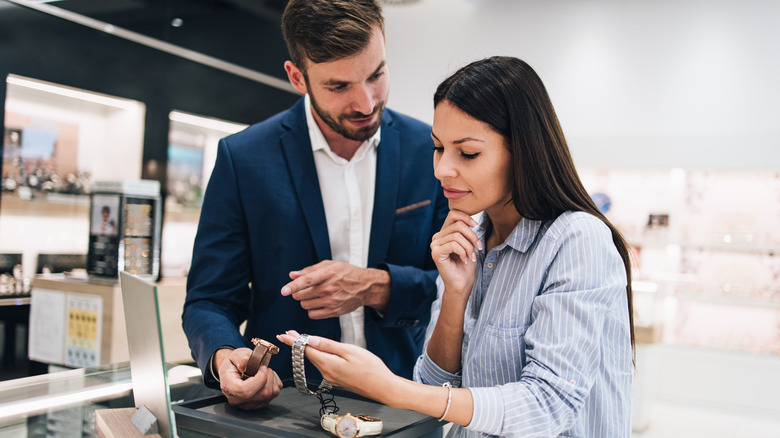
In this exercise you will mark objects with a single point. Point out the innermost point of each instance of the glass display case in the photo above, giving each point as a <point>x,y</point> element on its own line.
<point>192,150</point>
<point>57,141</point>
<point>706,249</point>
<point>63,403</point>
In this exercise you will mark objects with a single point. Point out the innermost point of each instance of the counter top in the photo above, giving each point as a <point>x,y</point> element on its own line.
<point>28,397</point>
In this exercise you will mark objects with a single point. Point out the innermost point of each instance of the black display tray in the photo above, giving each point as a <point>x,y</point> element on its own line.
<point>294,415</point>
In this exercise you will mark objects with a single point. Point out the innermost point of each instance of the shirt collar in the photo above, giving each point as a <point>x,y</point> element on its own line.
<point>318,141</point>
<point>520,239</point>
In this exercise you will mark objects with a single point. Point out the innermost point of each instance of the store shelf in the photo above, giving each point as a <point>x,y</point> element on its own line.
<point>706,252</point>
<point>44,205</point>
<point>710,246</point>
<point>728,300</point>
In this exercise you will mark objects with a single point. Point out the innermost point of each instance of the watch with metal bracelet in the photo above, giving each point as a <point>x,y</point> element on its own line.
<point>349,426</point>
<point>299,374</point>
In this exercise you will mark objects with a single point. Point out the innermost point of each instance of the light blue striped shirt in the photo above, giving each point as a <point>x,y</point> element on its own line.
<point>546,342</point>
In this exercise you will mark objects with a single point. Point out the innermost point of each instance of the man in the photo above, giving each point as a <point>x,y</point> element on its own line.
<point>320,217</point>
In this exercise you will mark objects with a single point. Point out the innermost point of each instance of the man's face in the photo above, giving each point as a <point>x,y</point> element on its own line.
<point>348,95</point>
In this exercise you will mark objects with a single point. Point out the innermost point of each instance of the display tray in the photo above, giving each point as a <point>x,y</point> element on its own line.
<point>293,414</point>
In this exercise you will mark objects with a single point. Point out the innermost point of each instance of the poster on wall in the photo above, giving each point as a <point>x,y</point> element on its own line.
<point>185,174</point>
<point>105,215</point>
<point>83,336</point>
<point>40,156</point>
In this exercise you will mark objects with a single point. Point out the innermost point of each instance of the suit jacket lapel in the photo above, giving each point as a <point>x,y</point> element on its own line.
<point>296,147</point>
<point>388,168</point>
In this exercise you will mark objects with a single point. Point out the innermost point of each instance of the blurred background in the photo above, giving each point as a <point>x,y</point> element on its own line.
<point>670,109</point>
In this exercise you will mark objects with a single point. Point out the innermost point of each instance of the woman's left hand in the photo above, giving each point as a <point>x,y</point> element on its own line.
<point>347,366</point>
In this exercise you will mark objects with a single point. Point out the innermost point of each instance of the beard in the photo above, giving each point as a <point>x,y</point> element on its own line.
<point>339,125</point>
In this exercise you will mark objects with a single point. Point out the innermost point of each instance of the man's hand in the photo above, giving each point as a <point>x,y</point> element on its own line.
<point>329,289</point>
<point>253,393</point>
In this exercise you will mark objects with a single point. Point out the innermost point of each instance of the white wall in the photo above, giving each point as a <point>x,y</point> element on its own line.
<point>661,83</point>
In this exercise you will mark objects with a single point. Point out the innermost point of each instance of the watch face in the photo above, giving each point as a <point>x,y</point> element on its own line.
<point>347,427</point>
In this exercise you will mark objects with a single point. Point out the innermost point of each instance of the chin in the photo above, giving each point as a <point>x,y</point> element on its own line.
<point>469,210</point>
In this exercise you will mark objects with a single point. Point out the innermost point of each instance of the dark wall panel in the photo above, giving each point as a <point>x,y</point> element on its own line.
<point>40,46</point>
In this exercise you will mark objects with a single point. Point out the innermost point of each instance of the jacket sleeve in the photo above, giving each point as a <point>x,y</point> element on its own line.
<point>414,287</point>
<point>218,282</point>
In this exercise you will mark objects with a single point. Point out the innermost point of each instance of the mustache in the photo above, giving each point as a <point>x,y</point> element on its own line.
<point>357,115</point>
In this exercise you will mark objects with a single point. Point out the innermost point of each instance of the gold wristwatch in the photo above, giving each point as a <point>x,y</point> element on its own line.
<point>261,355</point>
<point>350,426</point>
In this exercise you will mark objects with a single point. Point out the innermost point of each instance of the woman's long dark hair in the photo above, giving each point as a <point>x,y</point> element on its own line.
<point>507,94</point>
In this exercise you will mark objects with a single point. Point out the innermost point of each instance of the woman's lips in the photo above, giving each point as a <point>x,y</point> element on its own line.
<point>454,194</point>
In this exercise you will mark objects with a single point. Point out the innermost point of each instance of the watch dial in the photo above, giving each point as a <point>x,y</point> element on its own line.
<point>347,427</point>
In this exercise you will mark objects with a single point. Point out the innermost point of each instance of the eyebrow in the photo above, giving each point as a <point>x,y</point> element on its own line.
<point>337,83</point>
<point>459,141</point>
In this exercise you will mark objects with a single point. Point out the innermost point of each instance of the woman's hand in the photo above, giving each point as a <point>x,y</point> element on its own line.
<point>347,366</point>
<point>454,250</point>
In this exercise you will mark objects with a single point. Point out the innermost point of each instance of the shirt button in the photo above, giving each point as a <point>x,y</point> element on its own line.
<point>355,213</point>
<point>490,266</point>
<point>572,382</point>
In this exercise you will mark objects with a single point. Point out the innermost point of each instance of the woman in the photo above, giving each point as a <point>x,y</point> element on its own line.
<point>532,328</point>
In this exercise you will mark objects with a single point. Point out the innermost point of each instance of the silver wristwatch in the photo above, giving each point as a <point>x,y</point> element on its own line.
<point>299,374</point>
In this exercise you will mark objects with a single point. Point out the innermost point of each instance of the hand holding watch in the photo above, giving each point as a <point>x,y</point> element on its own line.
<point>342,426</point>
<point>261,355</point>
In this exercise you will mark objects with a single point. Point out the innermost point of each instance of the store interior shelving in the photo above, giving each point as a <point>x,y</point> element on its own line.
<point>706,248</point>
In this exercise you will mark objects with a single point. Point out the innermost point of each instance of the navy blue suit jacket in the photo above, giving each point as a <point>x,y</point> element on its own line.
<point>263,217</point>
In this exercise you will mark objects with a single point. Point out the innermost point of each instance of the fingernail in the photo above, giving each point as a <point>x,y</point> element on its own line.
<point>473,257</point>
<point>314,341</point>
<point>479,244</point>
<point>286,290</point>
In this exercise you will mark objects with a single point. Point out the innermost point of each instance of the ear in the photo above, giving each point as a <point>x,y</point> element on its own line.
<point>295,75</point>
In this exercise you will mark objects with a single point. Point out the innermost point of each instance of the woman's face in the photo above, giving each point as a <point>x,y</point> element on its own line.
<point>472,162</point>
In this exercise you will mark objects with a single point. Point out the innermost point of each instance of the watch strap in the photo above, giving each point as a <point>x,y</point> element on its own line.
<point>369,425</point>
<point>366,425</point>
<point>261,356</point>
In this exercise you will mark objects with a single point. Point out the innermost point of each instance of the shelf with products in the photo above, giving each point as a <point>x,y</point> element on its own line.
<point>706,252</point>
<point>712,246</point>
<point>45,204</point>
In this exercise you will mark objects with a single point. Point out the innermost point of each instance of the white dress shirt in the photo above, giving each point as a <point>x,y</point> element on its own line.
<point>347,189</point>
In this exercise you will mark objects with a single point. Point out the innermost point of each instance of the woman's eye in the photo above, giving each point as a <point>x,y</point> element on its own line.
<point>439,149</point>
<point>469,156</point>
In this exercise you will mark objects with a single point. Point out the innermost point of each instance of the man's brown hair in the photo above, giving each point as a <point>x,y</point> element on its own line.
<point>329,30</point>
